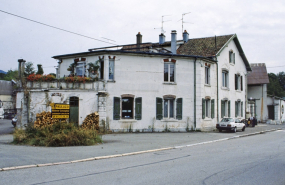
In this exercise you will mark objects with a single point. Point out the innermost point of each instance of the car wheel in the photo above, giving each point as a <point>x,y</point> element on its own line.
<point>243,128</point>
<point>235,129</point>
<point>220,130</point>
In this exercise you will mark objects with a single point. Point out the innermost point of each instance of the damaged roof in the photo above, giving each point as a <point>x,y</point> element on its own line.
<point>258,75</point>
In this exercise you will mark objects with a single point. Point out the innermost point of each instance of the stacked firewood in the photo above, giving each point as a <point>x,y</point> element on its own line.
<point>91,121</point>
<point>44,119</point>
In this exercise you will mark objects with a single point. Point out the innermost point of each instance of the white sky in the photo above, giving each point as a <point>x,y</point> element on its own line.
<point>259,25</point>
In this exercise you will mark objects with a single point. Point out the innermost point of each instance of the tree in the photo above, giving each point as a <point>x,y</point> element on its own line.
<point>274,87</point>
<point>29,68</point>
<point>281,79</point>
<point>10,75</point>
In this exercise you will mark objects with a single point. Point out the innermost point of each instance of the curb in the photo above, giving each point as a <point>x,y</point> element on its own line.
<point>133,153</point>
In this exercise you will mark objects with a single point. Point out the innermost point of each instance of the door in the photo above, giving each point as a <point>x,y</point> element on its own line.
<point>271,112</point>
<point>74,110</point>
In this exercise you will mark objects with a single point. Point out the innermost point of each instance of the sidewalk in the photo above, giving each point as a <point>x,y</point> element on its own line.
<point>114,144</point>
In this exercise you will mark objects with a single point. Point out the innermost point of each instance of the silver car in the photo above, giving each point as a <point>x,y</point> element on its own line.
<point>230,124</point>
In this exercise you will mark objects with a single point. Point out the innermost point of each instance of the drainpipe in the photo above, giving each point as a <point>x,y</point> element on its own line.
<point>217,91</point>
<point>195,93</point>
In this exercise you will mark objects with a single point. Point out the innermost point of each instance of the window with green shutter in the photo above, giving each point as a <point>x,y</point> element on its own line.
<point>212,108</point>
<point>138,108</point>
<point>159,108</point>
<point>222,108</point>
<point>241,87</point>
<point>229,108</point>
<point>116,111</point>
<point>179,108</point>
<point>203,108</point>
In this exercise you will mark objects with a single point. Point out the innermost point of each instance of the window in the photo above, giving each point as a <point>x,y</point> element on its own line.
<point>165,108</point>
<point>225,108</point>
<point>207,75</point>
<point>208,108</point>
<point>239,108</point>
<point>238,82</point>
<point>128,110</point>
<point>111,69</point>
<point>231,57</point>
<point>169,71</point>
<point>225,78</point>
<point>80,69</point>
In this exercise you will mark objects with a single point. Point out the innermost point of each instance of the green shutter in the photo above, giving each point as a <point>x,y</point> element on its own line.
<point>212,108</point>
<point>236,82</point>
<point>203,108</point>
<point>116,112</point>
<point>138,108</point>
<point>241,107</point>
<point>179,108</point>
<point>236,106</point>
<point>234,58</point>
<point>229,108</point>
<point>230,59</point>
<point>158,108</point>
<point>222,108</point>
<point>241,88</point>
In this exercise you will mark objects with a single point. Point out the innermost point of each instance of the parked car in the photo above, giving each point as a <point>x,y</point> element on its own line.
<point>230,124</point>
<point>14,121</point>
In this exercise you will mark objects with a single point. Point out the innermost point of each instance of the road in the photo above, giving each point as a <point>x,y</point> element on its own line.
<point>257,159</point>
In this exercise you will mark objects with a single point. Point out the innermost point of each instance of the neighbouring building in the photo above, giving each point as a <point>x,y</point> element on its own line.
<point>7,97</point>
<point>178,85</point>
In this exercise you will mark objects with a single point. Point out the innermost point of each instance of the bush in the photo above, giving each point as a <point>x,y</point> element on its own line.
<point>58,134</point>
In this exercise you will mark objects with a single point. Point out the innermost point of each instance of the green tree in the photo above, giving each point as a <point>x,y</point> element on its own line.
<point>29,68</point>
<point>274,87</point>
<point>10,75</point>
<point>281,79</point>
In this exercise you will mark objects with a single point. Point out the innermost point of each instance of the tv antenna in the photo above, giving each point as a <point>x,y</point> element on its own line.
<point>184,21</point>
<point>162,21</point>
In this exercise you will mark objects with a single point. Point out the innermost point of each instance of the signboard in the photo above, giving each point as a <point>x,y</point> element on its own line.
<point>59,111</point>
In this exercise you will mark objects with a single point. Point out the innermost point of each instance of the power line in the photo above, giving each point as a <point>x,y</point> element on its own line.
<point>275,66</point>
<point>53,27</point>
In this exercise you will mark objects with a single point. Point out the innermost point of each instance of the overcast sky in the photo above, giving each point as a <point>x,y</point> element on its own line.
<point>259,25</point>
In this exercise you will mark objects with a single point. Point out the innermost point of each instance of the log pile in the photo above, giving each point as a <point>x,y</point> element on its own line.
<point>91,121</point>
<point>44,119</point>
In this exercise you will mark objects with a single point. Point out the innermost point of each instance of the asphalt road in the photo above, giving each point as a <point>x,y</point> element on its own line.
<point>257,159</point>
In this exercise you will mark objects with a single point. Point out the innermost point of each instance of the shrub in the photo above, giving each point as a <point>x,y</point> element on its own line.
<point>41,78</point>
<point>58,134</point>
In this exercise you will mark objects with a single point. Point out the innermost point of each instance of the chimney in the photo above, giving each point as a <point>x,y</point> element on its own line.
<point>173,41</point>
<point>161,38</point>
<point>139,41</point>
<point>21,70</point>
<point>185,36</point>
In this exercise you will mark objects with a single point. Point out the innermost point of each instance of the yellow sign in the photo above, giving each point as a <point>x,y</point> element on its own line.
<point>60,116</point>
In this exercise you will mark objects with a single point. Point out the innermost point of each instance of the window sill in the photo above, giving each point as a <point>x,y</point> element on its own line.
<point>207,85</point>
<point>111,81</point>
<point>225,88</point>
<point>238,91</point>
<point>208,119</point>
<point>169,83</point>
<point>231,63</point>
<point>169,120</point>
<point>128,120</point>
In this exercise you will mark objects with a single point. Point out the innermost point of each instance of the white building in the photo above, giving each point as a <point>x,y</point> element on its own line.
<point>165,86</point>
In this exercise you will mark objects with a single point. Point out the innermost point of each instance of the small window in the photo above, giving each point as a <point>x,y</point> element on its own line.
<point>168,108</point>
<point>238,82</point>
<point>231,57</point>
<point>111,69</point>
<point>101,76</point>
<point>225,78</point>
<point>207,75</point>
<point>208,107</point>
<point>165,108</point>
<point>225,108</point>
<point>238,108</point>
<point>127,108</point>
<point>169,71</point>
<point>80,69</point>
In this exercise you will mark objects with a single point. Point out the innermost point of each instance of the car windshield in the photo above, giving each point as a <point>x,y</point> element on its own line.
<point>227,120</point>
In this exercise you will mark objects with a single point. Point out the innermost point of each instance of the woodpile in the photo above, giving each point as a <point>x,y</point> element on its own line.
<point>44,119</point>
<point>91,121</point>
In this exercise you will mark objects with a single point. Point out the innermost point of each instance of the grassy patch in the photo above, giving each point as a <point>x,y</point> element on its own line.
<point>57,134</point>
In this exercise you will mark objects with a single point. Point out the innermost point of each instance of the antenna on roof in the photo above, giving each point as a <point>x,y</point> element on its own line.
<point>184,21</point>
<point>162,21</point>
